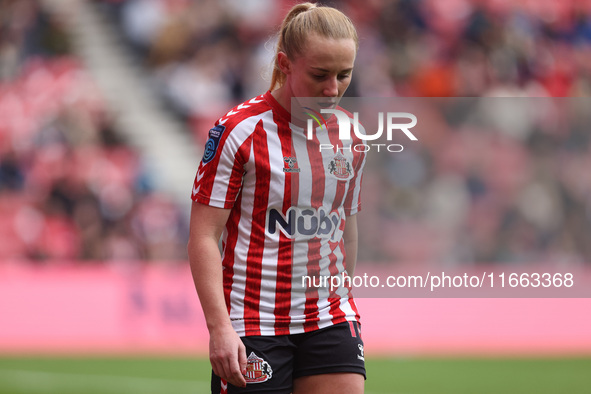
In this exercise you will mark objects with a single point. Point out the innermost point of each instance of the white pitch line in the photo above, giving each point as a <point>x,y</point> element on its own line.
<point>48,382</point>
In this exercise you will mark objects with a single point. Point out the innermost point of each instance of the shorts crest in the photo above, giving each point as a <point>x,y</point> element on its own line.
<point>257,369</point>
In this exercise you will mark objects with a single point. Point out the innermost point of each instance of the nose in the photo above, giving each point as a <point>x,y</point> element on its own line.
<point>331,87</point>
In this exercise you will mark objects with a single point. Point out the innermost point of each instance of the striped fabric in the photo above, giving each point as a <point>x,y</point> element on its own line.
<point>289,201</point>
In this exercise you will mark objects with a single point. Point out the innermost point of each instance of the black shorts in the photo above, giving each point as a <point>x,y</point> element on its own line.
<point>275,361</point>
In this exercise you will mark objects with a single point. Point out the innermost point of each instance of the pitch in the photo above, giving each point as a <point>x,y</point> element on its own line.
<point>122,375</point>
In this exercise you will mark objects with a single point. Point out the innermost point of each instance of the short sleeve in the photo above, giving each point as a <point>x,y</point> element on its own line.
<point>219,177</point>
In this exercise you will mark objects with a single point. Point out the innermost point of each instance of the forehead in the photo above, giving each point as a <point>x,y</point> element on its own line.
<point>328,53</point>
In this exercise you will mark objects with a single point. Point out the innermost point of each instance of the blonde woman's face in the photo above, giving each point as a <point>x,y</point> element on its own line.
<point>324,69</point>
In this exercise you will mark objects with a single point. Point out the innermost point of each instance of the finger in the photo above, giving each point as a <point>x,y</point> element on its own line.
<point>217,369</point>
<point>222,367</point>
<point>237,371</point>
<point>240,380</point>
<point>227,368</point>
<point>242,359</point>
<point>228,373</point>
<point>224,376</point>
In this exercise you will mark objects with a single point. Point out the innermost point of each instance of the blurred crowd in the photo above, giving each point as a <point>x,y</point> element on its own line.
<point>492,179</point>
<point>207,55</point>
<point>478,191</point>
<point>70,188</point>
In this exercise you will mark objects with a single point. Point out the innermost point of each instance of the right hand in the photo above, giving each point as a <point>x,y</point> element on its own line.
<point>227,355</point>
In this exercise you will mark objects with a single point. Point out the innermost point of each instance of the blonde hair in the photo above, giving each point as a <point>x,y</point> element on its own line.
<point>302,20</point>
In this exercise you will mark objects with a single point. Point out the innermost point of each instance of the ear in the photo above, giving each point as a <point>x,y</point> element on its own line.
<point>284,63</point>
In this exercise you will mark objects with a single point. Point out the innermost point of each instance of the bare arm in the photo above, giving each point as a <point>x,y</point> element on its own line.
<point>350,238</point>
<point>227,353</point>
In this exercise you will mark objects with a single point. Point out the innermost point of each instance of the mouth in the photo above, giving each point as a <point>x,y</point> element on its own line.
<point>327,104</point>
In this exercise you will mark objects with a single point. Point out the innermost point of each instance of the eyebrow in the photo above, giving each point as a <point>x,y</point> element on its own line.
<point>327,71</point>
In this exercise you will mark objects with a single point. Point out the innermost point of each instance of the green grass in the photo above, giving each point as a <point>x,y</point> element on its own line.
<point>481,376</point>
<point>29,375</point>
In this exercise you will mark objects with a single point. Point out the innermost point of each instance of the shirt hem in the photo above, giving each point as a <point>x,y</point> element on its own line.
<point>293,330</point>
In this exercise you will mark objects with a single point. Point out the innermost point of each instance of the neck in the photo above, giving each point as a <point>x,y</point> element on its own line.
<point>283,98</point>
<point>283,95</point>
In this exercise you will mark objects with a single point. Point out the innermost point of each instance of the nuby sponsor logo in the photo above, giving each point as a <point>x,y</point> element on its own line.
<point>304,223</point>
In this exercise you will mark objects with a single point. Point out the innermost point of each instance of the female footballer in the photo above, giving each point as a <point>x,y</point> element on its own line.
<point>285,210</point>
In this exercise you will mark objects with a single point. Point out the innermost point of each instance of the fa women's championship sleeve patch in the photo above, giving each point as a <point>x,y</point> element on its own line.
<point>211,146</point>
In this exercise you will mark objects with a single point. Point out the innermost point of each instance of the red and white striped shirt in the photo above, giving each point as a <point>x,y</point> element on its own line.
<point>289,200</point>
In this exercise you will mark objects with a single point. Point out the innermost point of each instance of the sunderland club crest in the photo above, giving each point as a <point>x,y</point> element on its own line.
<point>340,167</point>
<point>257,369</point>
